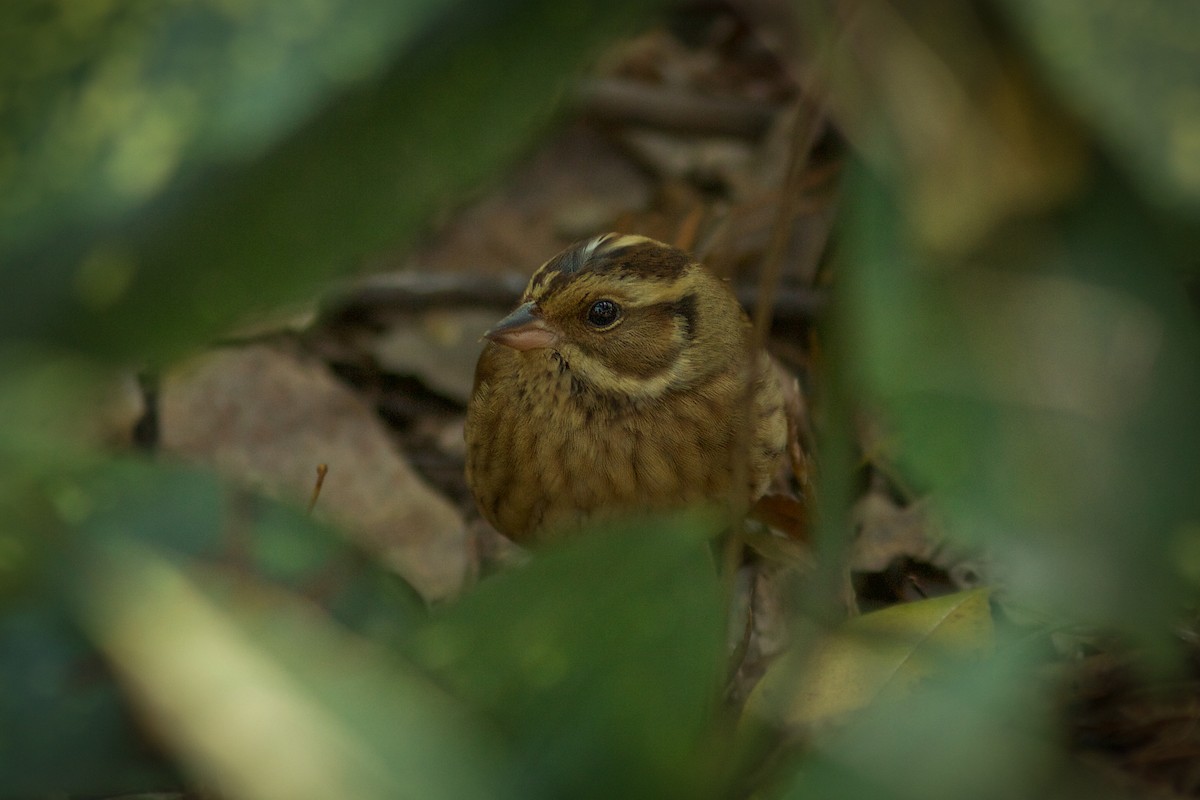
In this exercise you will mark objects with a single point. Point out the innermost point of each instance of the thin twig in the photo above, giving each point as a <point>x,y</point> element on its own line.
<point>689,229</point>
<point>322,471</point>
<point>809,124</point>
<point>806,131</point>
<point>627,102</point>
<point>411,292</point>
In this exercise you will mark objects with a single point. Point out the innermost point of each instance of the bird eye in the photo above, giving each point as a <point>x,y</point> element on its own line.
<point>603,313</point>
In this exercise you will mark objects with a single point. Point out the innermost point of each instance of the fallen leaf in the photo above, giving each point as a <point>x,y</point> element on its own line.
<point>261,695</point>
<point>439,347</point>
<point>785,514</point>
<point>888,531</point>
<point>877,655</point>
<point>266,419</point>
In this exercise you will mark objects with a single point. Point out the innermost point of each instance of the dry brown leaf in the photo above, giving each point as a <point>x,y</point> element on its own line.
<point>266,419</point>
<point>438,347</point>
<point>888,531</point>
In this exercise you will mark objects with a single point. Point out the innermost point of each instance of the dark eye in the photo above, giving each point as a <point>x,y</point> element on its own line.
<point>603,313</point>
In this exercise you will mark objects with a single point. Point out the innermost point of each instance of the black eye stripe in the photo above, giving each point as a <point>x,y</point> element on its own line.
<point>685,309</point>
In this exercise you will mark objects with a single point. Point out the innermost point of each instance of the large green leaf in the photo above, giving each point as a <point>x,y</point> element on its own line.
<point>600,661</point>
<point>980,732</point>
<point>1132,70</point>
<point>64,725</point>
<point>1045,389</point>
<point>261,696</point>
<point>109,104</point>
<point>77,732</point>
<point>232,155</point>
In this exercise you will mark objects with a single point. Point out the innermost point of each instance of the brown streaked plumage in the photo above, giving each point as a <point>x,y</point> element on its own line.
<point>619,384</point>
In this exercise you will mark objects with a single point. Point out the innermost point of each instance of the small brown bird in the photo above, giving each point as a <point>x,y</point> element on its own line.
<point>623,382</point>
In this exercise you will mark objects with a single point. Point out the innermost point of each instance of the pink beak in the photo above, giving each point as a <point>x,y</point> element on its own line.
<point>523,329</point>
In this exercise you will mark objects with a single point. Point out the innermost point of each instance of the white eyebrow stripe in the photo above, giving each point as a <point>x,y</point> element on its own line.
<point>628,240</point>
<point>589,249</point>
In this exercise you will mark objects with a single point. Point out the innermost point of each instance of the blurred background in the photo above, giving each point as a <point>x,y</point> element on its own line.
<point>242,240</point>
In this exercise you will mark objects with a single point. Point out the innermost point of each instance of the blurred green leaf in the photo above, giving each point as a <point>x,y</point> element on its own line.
<point>199,193</point>
<point>77,733</point>
<point>1045,388</point>
<point>109,103</point>
<point>263,697</point>
<point>982,732</point>
<point>965,132</point>
<point>600,661</point>
<point>52,406</point>
<point>189,512</point>
<point>64,725</point>
<point>1133,71</point>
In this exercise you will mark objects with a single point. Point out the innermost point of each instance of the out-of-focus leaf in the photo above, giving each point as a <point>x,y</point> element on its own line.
<point>269,699</point>
<point>51,408</point>
<point>1046,390</point>
<point>76,733</point>
<point>878,656</point>
<point>183,206</point>
<point>64,726</point>
<point>964,131</point>
<point>1132,70</point>
<point>980,733</point>
<point>600,661</point>
<point>190,513</point>
<point>109,103</point>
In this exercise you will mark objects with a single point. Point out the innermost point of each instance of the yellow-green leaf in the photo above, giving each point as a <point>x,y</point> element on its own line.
<point>263,697</point>
<point>882,654</point>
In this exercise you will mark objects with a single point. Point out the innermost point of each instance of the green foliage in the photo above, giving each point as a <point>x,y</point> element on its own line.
<point>1046,389</point>
<point>78,733</point>
<point>1011,300</point>
<point>109,103</point>
<point>1017,306</point>
<point>260,694</point>
<point>601,663</point>
<point>67,727</point>
<point>982,732</point>
<point>595,670</point>
<point>1132,71</point>
<point>878,656</point>
<point>173,167</point>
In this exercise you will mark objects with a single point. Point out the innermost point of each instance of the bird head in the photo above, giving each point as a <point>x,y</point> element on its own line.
<point>627,315</point>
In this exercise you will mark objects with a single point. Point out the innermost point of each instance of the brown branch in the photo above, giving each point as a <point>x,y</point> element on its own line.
<point>410,292</point>
<point>624,102</point>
